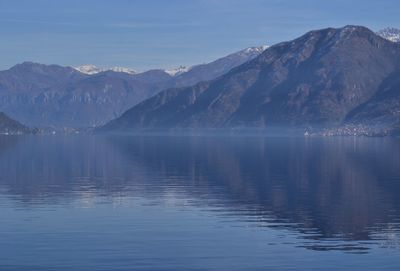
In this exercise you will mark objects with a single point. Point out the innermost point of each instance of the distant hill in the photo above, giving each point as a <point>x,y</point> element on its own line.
<point>326,78</point>
<point>10,126</point>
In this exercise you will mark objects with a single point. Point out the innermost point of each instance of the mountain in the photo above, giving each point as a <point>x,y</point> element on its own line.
<point>10,126</point>
<point>52,95</point>
<point>30,76</point>
<point>325,78</point>
<point>92,69</point>
<point>390,33</point>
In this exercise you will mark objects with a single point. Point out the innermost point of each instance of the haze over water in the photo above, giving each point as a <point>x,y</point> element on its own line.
<point>199,203</point>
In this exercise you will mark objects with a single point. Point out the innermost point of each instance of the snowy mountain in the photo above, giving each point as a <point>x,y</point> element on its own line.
<point>123,69</point>
<point>92,69</point>
<point>390,33</point>
<point>178,71</point>
<point>253,50</point>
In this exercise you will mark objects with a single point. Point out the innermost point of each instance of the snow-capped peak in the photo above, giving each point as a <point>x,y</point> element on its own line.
<point>92,69</point>
<point>390,33</point>
<point>88,69</point>
<point>178,71</point>
<point>123,69</point>
<point>257,50</point>
<point>252,51</point>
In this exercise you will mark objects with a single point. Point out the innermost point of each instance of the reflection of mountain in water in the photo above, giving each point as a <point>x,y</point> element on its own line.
<point>326,189</point>
<point>340,188</point>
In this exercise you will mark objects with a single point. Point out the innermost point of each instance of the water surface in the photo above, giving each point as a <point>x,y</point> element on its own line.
<point>199,203</point>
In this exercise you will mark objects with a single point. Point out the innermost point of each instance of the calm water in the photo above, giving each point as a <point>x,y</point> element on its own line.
<point>199,203</point>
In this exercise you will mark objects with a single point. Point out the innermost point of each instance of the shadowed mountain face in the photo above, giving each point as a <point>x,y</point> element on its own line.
<point>383,109</point>
<point>52,95</point>
<point>320,79</point>
<point>10,126</point>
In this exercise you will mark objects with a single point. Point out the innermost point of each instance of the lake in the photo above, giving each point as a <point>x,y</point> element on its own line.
<point>162,202</point>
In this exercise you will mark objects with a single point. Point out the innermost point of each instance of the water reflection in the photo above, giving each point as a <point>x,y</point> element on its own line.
<point>336,193</point>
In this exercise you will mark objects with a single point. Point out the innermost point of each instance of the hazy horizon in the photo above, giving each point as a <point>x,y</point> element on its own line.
<point>161,34</point>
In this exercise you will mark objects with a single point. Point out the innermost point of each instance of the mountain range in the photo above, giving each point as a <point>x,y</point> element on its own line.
<point>326,78</point>
<point>345,80</point>
<point>57,96</point>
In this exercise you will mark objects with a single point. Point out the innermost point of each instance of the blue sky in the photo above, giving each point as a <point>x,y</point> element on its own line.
<point>166,33</point>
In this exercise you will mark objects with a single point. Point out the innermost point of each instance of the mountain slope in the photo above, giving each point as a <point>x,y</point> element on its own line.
<point>315,80</point>
<point>103,96</point>
<point>382,111</point>
<point>10,126</point>
<point>216,68</point>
